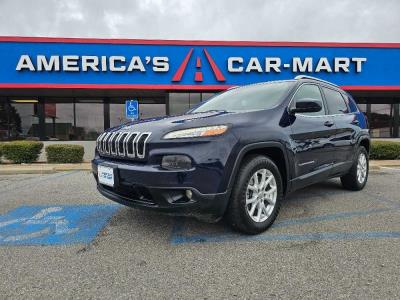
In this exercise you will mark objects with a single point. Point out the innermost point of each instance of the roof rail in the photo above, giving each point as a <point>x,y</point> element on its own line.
<point>313,78</point>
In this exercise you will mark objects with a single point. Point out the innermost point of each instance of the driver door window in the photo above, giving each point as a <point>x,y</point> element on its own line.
<point>312,136</point>
<point>310,91</point>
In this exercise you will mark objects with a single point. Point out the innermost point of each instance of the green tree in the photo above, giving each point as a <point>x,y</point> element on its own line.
<point>10,121</point>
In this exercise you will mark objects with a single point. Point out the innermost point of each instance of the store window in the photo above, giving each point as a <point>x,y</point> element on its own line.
<point>180,103</point>
<point>4,117</point>
<point>117,114</point>
<point>147,110</point>
<point>89,116</point>
<point>59,120</point>
<point>206,96</point>
<point>194,99</point>
<point>18,119</point>
<point>383,119</point>
<point>68,119</point>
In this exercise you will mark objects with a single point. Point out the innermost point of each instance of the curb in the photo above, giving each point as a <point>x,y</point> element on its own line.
<point>42,169</point>
<point>374,168</point>
<point>22,171</point>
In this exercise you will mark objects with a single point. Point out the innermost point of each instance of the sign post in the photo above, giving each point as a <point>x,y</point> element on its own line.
<point>132,109</point>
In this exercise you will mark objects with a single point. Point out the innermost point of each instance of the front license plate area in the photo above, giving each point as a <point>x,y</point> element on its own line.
<point>106,175</point>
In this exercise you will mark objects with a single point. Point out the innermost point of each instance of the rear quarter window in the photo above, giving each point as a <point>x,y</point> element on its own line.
<point>350,103</point>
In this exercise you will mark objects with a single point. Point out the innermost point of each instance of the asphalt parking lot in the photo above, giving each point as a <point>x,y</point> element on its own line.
<point>60,238</point>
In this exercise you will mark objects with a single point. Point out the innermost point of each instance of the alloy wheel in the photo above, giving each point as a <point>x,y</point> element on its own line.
<point>362,168</point>
<point>261,195</point>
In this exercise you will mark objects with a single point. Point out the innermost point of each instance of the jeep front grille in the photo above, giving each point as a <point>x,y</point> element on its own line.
<point>123,144</point>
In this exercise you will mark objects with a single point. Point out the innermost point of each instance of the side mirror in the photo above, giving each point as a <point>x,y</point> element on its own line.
<point>306,105</point>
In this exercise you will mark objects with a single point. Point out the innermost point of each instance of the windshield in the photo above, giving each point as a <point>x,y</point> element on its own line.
<point>247,98</point>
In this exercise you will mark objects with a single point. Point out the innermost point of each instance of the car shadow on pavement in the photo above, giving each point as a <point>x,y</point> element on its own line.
<point>187,227</point>
<point>323,202</point>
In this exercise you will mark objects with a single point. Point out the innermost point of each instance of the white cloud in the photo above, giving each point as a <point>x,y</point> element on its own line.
<point>113,21</point>
<point>71,10</point>
<point>274,20</point>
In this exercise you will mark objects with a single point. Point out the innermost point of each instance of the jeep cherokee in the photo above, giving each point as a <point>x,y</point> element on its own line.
<point>238,154</point>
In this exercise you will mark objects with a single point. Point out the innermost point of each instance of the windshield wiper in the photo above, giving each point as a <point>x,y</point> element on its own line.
<point>211,110</point>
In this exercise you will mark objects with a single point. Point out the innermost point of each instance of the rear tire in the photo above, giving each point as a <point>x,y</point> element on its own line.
<point>357,177</point>
<point>256,196</point>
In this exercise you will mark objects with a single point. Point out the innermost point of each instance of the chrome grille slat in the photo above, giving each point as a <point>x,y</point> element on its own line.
<point>123,144</point>
<point>99,142</point>
<point>144,136</point>
<point>118,143</point>
<point>105,143</point>
<point>111,143</point>
<point>132,136</point>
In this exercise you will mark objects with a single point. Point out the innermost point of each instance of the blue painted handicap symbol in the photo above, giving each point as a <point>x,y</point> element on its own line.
<point>54,225</point>
<point>132,109</point>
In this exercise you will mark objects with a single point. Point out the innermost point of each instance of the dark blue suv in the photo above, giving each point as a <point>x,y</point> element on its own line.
<point>238,154</point>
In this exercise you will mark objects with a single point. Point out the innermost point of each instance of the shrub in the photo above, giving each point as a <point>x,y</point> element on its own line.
<point>64,153</point>
<point>385,150</point>
<point>22,151</point>
<point>1,150</point>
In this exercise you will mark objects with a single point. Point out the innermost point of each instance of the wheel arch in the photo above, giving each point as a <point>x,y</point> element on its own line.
<point>365,142</point>
<point>273,150</point>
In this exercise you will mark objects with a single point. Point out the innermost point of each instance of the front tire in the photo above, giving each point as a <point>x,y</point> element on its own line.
<point>256,197</point>
<point>357,177</point>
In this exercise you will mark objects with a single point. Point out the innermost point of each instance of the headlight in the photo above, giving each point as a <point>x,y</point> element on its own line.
<point>197,132</point>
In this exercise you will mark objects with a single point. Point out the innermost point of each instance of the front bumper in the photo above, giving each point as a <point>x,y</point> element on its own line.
<point>148,187</point>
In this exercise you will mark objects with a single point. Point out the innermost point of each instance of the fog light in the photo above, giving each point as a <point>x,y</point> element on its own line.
<point>189,194</point>
<point>176,162</point>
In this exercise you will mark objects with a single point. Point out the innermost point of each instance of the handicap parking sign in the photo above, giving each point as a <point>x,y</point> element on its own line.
<point>132,109</point>
<point>54,224</point>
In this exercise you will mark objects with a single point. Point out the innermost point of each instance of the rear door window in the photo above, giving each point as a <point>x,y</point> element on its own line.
<point>335,102</point>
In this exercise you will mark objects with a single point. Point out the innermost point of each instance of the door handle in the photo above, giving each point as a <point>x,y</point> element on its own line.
<point>328,123</point>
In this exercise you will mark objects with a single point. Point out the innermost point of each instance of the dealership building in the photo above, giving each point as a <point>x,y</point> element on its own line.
<point>68,89</point>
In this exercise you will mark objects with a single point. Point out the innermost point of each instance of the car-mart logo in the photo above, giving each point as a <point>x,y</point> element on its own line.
<point>198,76</point>
<point>161,64</point>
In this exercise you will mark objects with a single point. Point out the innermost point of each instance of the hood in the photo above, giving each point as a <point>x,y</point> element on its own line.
<point>162,125</point>
<point>168,123</point>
